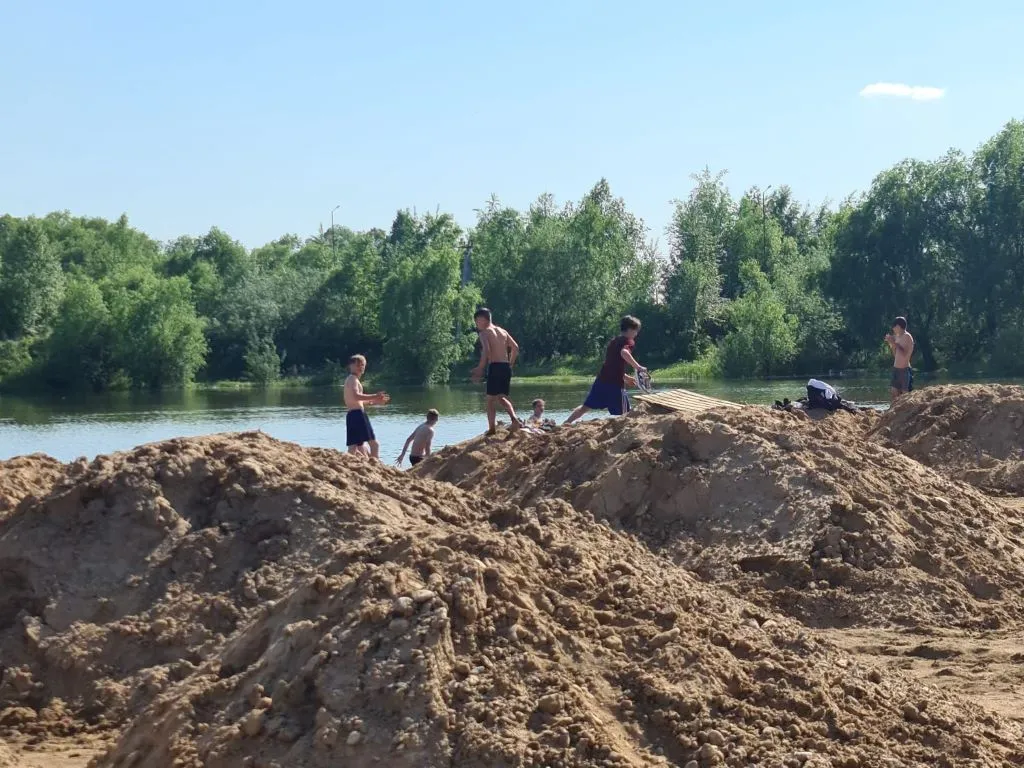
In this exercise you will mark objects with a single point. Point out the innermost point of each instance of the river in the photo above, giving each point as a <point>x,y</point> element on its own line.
<point>67,427</point>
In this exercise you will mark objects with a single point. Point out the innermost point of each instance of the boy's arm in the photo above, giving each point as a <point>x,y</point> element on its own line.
<point>628,357</point>
<point>365,398</point>
<point>513,346</point>
<point>405,448</point>
<point>430,442</point>
<point>479,370</point>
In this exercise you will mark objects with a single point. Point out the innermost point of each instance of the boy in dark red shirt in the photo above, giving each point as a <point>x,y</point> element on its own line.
<point>609,388</point>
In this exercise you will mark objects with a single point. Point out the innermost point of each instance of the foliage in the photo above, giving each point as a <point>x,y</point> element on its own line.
<point>425,307</point>
<point>753,285</point>
<point>763,339</point>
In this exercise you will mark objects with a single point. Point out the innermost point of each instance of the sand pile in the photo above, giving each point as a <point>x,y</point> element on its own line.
<point>245,602</point>
<point>833,529</point>
<point>128,576</point>
<point>25,476</point>
<point>973,433</point>
<point>487,635</point>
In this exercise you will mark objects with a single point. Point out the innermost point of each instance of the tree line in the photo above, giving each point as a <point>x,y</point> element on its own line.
<point>756,286</point>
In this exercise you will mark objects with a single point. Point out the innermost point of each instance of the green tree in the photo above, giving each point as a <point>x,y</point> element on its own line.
<point>31,279</point>
<point>698,236</point>
<point>425,306</point>
<point>158,335</point>
<point>80,353</point>
<point>763,339</point>
<point>899,251</point>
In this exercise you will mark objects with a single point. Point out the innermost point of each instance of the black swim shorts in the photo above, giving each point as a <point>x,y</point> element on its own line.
<point>902,379</point>
<point>499,379</point>
<point>414,460</point>
<point>358,429</point>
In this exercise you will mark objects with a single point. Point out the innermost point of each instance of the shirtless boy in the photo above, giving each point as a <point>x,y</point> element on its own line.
<point>421,439</point>
<point>498,353</point>
<point>902,345</point>
<point>358,430</point>
<point>608,392</point>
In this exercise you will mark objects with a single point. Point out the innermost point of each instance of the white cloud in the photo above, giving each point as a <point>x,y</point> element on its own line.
<point>903,91</point>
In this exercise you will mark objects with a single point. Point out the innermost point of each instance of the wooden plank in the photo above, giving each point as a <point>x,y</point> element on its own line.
<point>684,400</point>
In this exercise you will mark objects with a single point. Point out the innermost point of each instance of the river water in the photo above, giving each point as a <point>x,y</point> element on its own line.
<point>67,427</point>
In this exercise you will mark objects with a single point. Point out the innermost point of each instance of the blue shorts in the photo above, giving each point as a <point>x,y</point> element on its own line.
<point>357,427</point>
<point>604,396</point>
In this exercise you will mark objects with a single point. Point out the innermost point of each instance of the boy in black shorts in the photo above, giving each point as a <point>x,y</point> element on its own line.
<point>498,353</point>
<point>421,440</point>
<point>358,430</point>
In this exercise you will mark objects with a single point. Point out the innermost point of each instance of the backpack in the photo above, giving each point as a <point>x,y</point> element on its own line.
<point>822,395</point>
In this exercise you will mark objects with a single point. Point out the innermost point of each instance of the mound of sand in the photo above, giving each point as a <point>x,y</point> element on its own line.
<point>128,576</point>
<point>238,601</point>
<point>25,476</point>
<point>973,433</point>
<point>833,529</point>
<point>538,637</point>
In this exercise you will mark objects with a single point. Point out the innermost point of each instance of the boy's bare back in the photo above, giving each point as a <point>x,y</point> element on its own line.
<point>495,341</point>
<point>422,438</point>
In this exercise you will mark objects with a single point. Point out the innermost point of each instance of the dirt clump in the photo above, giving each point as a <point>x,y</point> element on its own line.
<point>828,526</point>
<point>973,433</point>
<point>22,476</point>
<point>493,635</point>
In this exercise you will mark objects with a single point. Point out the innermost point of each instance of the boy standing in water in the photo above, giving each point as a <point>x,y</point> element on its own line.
<point>498,353</point>
<point>609,388</point>
<point>358,431</point>
<point>537,417</point>
<point>902,345</point>
<point>421,439</point>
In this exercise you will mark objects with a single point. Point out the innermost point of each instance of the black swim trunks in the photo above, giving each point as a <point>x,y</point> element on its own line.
<point>902,380</point>
<point>414,460</point>
<point>357,428</point>
<point>499,379</point>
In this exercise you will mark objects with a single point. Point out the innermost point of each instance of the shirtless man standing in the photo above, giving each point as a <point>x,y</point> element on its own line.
<point>498,353</point>
<point>902,345</point>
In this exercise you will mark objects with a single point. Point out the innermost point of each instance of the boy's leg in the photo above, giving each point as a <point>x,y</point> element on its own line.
<point>510,409</point>
<point>492,413</point>
<point>355,449</point>
<point>375,449</point>
<point>578,413</point>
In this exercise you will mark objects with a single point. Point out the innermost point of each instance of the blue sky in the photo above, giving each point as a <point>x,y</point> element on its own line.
<point>260,117</point>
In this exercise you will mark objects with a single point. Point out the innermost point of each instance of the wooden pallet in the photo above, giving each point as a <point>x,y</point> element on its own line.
<point>683,401</point>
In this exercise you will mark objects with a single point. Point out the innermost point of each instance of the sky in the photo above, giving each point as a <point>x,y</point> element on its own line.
<point>261,117</point>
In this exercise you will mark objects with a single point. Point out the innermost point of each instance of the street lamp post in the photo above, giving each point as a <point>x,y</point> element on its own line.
<point>334,246</point>
<point>764,225</point>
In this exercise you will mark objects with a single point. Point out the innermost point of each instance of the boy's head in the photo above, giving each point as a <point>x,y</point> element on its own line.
<point>433,416</point>
<point>357,365</point>
<point>899,325</point>
<point>538,406</point>
<point>482,317</point>
<point>629,326</point>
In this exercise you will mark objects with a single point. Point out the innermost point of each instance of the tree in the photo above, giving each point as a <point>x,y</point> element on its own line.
<point>80,353</point>
<point>158,335</point>
<point>763,339</point>
<point>31,280</point>
<point>899,250</point>
<point>425,306</point>
<point>697,249</point>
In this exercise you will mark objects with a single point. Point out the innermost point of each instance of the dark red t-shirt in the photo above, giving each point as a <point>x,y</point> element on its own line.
<point>614,367</point>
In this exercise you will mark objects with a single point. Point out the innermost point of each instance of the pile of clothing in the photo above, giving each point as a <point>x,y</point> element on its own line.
<point>819,395</point>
